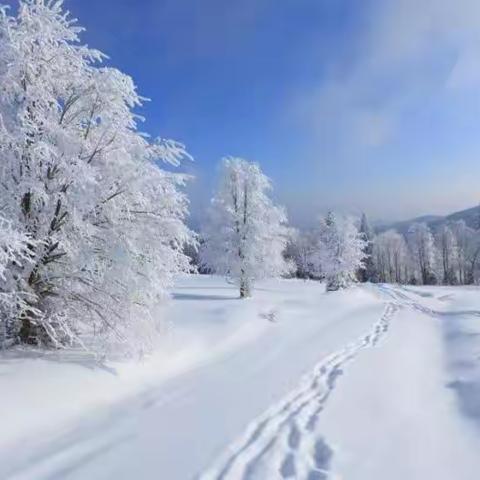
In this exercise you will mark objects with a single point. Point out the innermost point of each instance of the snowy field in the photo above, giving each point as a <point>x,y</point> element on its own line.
<point>371,383</point>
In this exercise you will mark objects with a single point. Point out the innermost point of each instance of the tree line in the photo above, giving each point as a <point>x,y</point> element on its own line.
<point>447,255</point>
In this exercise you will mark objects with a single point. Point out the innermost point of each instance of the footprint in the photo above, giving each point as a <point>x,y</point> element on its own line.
<point>312,421</point>
<point>294,437</point>
<point>288,470</point>
<point>322,454</point>
<point>317,475</point>
<point>333,375</point>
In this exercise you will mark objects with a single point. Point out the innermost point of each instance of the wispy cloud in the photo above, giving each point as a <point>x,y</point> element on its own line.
<point>399,102</point>
<point>406,50</point>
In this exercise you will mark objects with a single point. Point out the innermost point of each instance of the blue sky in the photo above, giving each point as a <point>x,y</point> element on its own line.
<point>358,105</point>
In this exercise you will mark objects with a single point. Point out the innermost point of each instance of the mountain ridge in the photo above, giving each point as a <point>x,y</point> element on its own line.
<point>471,217</point>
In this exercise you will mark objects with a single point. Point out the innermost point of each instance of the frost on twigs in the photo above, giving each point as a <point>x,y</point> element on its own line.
<point>94,228</point>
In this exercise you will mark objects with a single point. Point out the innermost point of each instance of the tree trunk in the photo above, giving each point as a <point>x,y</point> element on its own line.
<point>28,333</point>
<point>244,288</point>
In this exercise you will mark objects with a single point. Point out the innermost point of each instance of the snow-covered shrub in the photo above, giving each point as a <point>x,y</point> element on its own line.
<point>246,234</point>
<point>105,224</point>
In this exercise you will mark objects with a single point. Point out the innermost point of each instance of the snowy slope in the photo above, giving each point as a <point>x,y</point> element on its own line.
<point>370,383</point>
<point>395,415</point>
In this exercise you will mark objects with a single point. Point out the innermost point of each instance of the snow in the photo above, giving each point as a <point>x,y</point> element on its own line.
<point>369,383</point>
<point>402,421</point>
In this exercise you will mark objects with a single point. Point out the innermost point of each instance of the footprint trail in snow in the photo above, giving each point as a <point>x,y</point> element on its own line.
<point>284,442</point>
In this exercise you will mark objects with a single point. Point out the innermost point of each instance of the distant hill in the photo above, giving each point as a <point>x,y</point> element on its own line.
<point>471,216</point>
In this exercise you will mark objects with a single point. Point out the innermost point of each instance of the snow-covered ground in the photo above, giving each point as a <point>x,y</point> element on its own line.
<point>377,382</point>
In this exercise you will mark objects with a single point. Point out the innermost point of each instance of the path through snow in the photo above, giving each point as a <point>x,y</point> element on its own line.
<point>285,441</point>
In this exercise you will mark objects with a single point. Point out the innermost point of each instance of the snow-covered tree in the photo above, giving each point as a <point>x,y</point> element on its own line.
<point>246,234</point>
<point>104,222</point>
<point>448,250</point>
<point>341,251</point>
<point>422,246</point>
<point>468,251</point>
<point>472,259</point>
<point>392,258</point>
<point>301,249</point>
<point>367,274</point>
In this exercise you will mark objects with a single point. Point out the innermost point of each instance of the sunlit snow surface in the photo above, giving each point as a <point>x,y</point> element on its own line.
<point>377,382</point>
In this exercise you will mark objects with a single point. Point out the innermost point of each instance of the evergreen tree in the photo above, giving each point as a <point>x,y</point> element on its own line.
<point>367,274</point>
<point>340,251</point>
